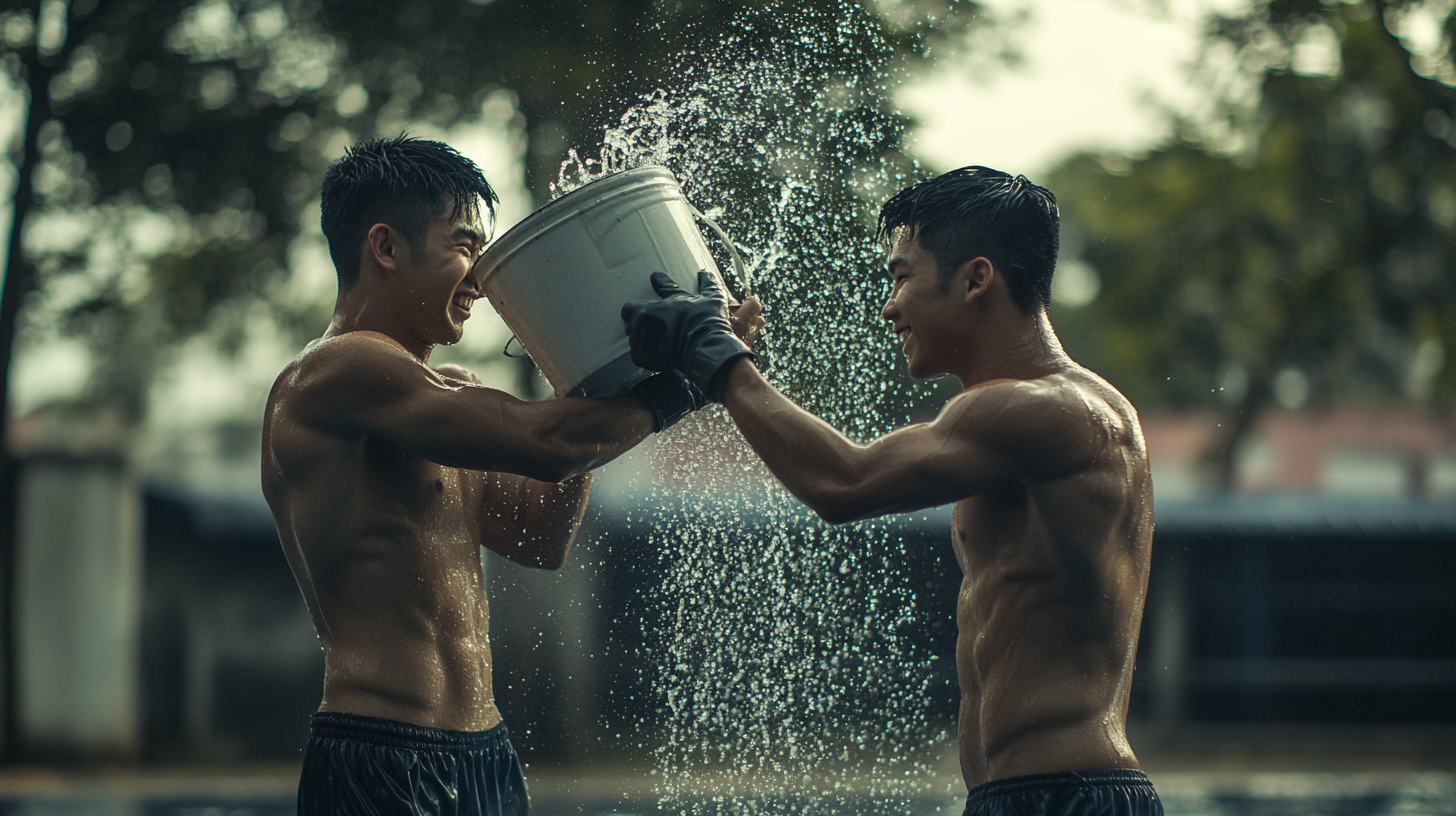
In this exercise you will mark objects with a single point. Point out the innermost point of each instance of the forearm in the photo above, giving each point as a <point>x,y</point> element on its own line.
<point>584,434</point>
<point>539,521</point>
<point>553,515</point>
<point>815,462</point>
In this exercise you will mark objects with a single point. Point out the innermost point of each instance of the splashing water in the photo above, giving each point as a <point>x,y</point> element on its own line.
<point>788,677</point>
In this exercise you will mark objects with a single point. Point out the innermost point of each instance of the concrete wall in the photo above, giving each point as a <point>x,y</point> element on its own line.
<point>78,609</point>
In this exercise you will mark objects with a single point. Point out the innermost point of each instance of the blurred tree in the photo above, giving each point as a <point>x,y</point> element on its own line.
<point>155,122</point>
<point>575,67</point>
<point>1296,243</point>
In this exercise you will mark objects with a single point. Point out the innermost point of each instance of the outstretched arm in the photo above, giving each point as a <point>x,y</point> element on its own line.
<point>984,437</point>
<point>363,384</point>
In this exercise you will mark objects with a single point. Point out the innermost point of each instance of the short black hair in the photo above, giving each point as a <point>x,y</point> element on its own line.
<point>403,182</point>
<point>979,212</point>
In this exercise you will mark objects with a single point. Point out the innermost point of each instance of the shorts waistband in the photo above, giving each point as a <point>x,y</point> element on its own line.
<point>408,736</point>
<point>1068,779</point>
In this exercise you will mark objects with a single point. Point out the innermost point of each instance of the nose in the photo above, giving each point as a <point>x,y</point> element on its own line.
<point>891,311</point>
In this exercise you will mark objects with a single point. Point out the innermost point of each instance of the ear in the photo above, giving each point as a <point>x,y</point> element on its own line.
<point>383,245</point>
<point>976,275</point>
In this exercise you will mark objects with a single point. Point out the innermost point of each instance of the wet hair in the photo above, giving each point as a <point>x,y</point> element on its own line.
<point>979,212</point>
<point>403,182</point>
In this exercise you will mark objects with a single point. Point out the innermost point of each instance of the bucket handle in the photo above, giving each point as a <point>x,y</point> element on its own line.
<point>738,268</point>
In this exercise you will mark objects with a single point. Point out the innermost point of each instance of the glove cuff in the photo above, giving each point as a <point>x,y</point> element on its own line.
<point>668,396</point>
<point>712,354</point>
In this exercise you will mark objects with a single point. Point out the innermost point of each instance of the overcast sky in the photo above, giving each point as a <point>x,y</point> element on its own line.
<point>1091,70</point>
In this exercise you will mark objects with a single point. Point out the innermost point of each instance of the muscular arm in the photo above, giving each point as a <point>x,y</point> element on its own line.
<point>363,384</point>
<point>984,437</point>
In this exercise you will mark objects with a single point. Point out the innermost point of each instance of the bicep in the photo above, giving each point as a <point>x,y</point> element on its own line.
<point>979,441</point>
<point>395,398</point>
<point>926,466</point>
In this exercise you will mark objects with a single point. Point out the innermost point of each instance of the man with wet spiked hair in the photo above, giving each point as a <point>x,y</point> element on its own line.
<point>386,477</point>
<point>1043,460</point>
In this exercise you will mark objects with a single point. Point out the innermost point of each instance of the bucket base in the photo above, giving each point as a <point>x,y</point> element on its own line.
<point>611,379</point>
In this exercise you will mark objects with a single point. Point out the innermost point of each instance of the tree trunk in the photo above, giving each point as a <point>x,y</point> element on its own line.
<point>20,281</point>
<point>1223,451</point>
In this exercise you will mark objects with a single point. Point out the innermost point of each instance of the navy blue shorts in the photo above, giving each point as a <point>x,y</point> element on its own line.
<point>1077,793</point>
<point>366,766</point>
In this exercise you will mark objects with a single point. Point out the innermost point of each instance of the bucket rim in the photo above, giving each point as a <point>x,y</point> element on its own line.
<point>517,233</point>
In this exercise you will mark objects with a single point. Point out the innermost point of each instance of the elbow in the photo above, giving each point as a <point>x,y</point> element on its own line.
<point>551,564</point>
<point>834,515</point>
<point>560,461</point>
<point>835,509</point>
<point>553,558</point>
<point>555,472</point>
<point>556,466</point>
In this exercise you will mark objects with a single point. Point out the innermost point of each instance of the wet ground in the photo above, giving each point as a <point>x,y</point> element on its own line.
<point>1404,797</point>
<point>268,792</point>
<point>1233,772</point>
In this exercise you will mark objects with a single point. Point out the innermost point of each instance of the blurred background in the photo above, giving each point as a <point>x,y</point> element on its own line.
<point>1259,249</point>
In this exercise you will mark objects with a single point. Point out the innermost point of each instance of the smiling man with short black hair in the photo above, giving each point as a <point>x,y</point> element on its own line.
<point>1043,460</point>
<point>386,477</point>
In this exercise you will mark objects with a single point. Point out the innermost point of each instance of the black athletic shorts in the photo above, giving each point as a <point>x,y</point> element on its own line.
<point>366,766</point>
<point>1078,793</point>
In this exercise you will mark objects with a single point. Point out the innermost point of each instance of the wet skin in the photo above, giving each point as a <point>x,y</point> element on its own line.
<point>1046,466</point>
<point>385,478</point>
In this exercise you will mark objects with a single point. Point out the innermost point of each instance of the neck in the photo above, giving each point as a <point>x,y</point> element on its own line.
<point>357,310</point>
<point>1023,348</point>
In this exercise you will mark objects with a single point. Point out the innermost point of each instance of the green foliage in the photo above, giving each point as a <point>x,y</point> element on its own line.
<point>1310,228</point>
<point>190,122</point>
<point>575,67</point>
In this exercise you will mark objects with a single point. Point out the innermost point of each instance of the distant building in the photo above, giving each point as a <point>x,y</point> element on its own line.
<point>1340,452</point>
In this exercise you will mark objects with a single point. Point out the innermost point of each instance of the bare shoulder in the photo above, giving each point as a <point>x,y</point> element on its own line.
<point>335,378</point>
<point>1055,424</point>
<point>348,364</point>
<point>347,356</point>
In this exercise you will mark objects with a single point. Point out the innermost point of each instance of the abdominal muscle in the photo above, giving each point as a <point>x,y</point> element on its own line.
<point>1026,715</point>
<point>1044,665</point>
<point>403,620</point>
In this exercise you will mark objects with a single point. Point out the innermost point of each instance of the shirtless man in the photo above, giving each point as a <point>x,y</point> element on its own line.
<point>386,477</point>
<point>1044,462</point>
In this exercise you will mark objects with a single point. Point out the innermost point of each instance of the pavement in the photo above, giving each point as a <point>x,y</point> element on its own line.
<point>1192,764</point>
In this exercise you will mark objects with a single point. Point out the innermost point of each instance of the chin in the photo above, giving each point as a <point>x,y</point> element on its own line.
<point>924,372</point>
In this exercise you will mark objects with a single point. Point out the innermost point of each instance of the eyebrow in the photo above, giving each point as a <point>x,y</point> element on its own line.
<point>466,232</point>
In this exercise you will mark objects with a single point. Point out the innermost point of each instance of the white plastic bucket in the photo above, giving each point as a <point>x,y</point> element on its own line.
<point>560,277</point>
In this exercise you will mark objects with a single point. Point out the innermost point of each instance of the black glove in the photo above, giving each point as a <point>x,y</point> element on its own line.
<point>683,331</point>
<point>670,397</point>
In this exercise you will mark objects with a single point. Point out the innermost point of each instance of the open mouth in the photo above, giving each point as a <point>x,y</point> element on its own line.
<point>463,302</point>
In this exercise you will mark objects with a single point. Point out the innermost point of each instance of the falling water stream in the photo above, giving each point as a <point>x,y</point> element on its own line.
<point>788,678</point>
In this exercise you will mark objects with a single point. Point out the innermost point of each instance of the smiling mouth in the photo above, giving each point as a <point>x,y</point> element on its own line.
<point>464,302</point>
